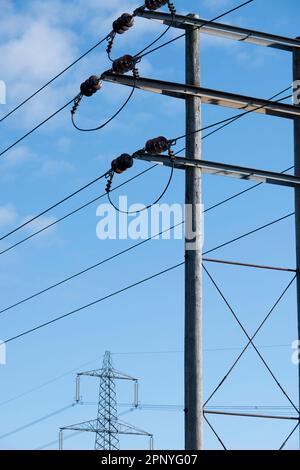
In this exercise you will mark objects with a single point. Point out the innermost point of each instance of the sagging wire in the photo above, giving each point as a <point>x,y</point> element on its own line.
<point>160,144</point>
<point>205,23</point>
<point>94,83</point>
<point>172,10</point>
<point>124,162</point>
<point>121,65</point>
<point>126,21</point>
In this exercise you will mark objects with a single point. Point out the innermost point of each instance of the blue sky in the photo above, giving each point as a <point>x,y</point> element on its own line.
<point>39,38</point>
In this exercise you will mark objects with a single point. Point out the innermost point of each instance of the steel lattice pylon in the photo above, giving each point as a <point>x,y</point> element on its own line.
<point>107,427</point>
<point>108,438</point>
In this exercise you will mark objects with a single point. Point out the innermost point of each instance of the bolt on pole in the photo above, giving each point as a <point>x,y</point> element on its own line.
<point>193,255</point>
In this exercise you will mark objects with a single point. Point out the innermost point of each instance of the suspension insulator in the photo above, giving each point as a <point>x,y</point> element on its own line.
<point>124,64</point>
<point>155,4</point>
<point>122,163</point>
<point>123,23</point>
<point>157,145</point>
<point>90,86</point>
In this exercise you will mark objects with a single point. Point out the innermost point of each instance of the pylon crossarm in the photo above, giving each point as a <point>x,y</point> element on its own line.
<point>224,169</point>
<point>110,374</point>
<point>92,373</point>
<point>121,376</point>
<point>90,426</point>
<point>208,96</point>
<point>125,428</point>
<point>252,36</point>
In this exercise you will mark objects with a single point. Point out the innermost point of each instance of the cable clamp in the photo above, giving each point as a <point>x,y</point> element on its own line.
<point>77,101</point>
<point>109,177</point>
<point>110,42</point>
<point>172,8</point>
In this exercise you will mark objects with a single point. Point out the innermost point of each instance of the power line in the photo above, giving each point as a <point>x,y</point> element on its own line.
<point>105,123</point>
<point>156,201</point>
<point>127,250</point>
<point>70,436</point>
<point>50,81</point>
<point>228,121</point>
<point>45,384</point>
<point>139,282</point>
<point>45,211</point>
<point>86,270</point>
<point>128,353</point>
<point>53,79</point>
<point>222,202</point>
<point>91,304</point>
<point>103,195</point>
<point>262,227</point>
<point>56,441</point>
<point>72,101</point>
<point>240,193</point>
<point>181,351</point>
<point>135,59</point>
<point>36,127</point>
<point>37,421</point>
<point>206,23</point>
<point>69,214</point>
<point>234,118</point>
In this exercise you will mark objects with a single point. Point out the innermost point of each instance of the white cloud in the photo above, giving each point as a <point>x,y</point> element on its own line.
<point>64,144</point>
<point>8,214</point>
<point>38,53</point>
<point>40,165</point>
<point>53,168</point>
<point>213,4</point>
<point>17,157</point>
<point>38,39</point>
<point>39,224</point>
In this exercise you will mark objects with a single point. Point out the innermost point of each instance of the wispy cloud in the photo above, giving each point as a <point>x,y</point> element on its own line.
<point>39,224</point>
<point>8,215</point>
<point>53,168</point>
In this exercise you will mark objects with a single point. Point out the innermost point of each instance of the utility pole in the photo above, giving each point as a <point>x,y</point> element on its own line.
<point>296,74</point>
<point>194,166</point>
<point>193,254</point>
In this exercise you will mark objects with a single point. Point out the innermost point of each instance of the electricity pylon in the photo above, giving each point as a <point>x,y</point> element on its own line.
<point>107,427</point>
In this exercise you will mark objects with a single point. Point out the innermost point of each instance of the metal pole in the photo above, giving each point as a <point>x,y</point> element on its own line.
<point>136,394</point>
<point>193,255</point>
<point>296,63</point>
<point>61,439</point>
<point>77,389</point>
